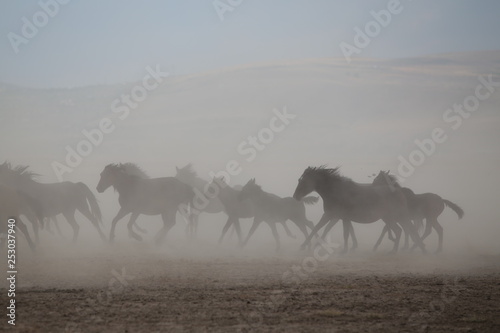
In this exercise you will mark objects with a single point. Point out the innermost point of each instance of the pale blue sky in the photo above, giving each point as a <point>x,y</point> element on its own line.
<point>91,42</point>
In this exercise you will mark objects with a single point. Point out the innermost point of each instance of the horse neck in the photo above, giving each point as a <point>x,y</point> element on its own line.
<point>329,189</point>
<point>227,192</point>
<point>23,184</point>
<point>123,183</point>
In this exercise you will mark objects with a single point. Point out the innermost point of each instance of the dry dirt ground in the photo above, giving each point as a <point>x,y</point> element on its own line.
<point>132,287</point>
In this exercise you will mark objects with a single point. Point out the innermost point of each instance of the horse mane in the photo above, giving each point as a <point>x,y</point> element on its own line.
<point>389,179</point>
<point>130,169</point>
<point>20,172</point>
<point>188,171</point>
<point>329,173</point>
<point>134,170</point>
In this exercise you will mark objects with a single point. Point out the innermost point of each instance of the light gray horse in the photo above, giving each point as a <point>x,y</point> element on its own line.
<point>236,209</point>
<point>137,195</point>
<point>426,206</point>
<point>274,209</point>
<point>204,201</point>
<point>353,202</point>
<point>55,198</point>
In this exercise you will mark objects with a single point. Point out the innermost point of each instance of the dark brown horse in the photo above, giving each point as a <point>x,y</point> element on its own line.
<point>353,202</point>
<point>138,195</point>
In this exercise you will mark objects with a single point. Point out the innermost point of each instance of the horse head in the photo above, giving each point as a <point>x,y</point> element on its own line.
<point>109,176</point>
<point>249,190</point>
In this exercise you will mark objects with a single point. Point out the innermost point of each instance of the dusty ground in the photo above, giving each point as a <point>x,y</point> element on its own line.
<point>202,288</point>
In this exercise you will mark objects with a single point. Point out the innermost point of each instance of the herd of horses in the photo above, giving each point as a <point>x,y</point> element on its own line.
<point>343,199</point>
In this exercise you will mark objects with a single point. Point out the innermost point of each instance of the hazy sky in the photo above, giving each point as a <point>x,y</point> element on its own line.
<point>89,42</point>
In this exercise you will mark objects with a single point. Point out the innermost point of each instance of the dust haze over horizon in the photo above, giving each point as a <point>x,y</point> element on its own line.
<point>234,72</point>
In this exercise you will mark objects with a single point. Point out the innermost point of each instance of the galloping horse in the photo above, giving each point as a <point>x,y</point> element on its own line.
<point>236,209</point>
<point>350,201</point>
<point>137,195</point>
<point>55,198</point>
<point>209,204</point>
<point>426,206</point>
<point>273,209</point>
<point>10,203</point>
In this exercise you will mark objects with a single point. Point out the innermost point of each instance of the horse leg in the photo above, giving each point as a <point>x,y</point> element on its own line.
<point>168,223</point>
<point>397,231</point>
<point>70,217</point>
<point>121,214</point>
<point>329,227</point>
<point>47,224</point>
<point>410,228</point>
<point>86,212</point>
<point>407,240</point>
<point>353,237</point>
<point>301,224</point>
<point>254,226</point>
<point>439,230</point>
<point>21,226</point>
<point>272,225</point>
<point>322,222</point>
<point>288,232</point>
<point>237,227</point>
<point>194,230</point>
<point>191,227</point>
<point>56,223</point>
<point>345,224</point>
<point>427,231</point>
<point>34,222</point>
<point>419,224</point>
<point>131,232</point>
<point>381,237</point>
<point>229,222</point>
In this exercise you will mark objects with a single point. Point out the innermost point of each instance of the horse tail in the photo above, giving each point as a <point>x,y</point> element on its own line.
<point>455,207</point>
<point>94,206</point>
<point>310,200</point>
